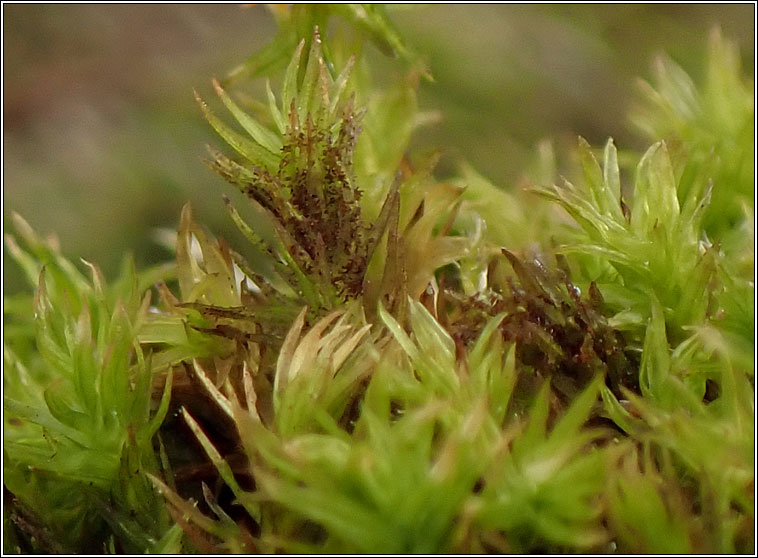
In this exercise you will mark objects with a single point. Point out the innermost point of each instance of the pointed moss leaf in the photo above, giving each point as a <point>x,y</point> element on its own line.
<point>43,418</point>
<point>190,511</point>
<point>577,413</point>
<point>223,468</point>
<point>389,211</point>
<point>502,383</point>
<point>307,349</point>
<point>676,87</point>
<point>599,227</point>
<point>654,368</point>
<point>534,435</point>
<point>262,135</point>
<point>655,197</point>
<point>251,397</point>
<point>286,353</point>
<point>60,405</point>
<point>215,508</point>
<point>711,338</point>
<point>340,84</point>
<point>612,180</point>
<point>251,150</point>
<point>28,264</point>
<point>48,254</point>
<point>97,279</point>
<point>25,231</point>
<point>693,211</point>
<point>289,88</point>
<point>115,374</point>
<point>618,414</point>
<point>85,368</point>
<point>397,332</point>
<point>276,114</point>
<point>219,269</point>
<point>346,348</point>
<point>481,348</point>
<point>309,99</point>
<point>593,175</point>
<point>212,390</point>
<point>432,338</point>
<point>254,238</point>
<point>188,270</point>
<point>160,413</point>
<point>48,326</point>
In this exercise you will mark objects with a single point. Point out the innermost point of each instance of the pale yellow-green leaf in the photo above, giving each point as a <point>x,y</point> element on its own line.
<point>286,354</point>
<point>262,135</point>
<point>251,150</point>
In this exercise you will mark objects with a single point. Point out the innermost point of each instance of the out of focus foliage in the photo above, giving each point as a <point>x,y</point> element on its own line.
<point>99,146</point>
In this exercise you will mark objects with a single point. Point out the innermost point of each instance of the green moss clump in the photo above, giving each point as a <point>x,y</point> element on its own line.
<point>376,371</point>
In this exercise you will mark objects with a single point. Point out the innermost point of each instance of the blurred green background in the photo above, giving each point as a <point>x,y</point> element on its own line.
<point>103,140</point>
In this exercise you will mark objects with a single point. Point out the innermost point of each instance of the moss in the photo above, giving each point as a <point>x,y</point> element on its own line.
<point>377,372</point>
